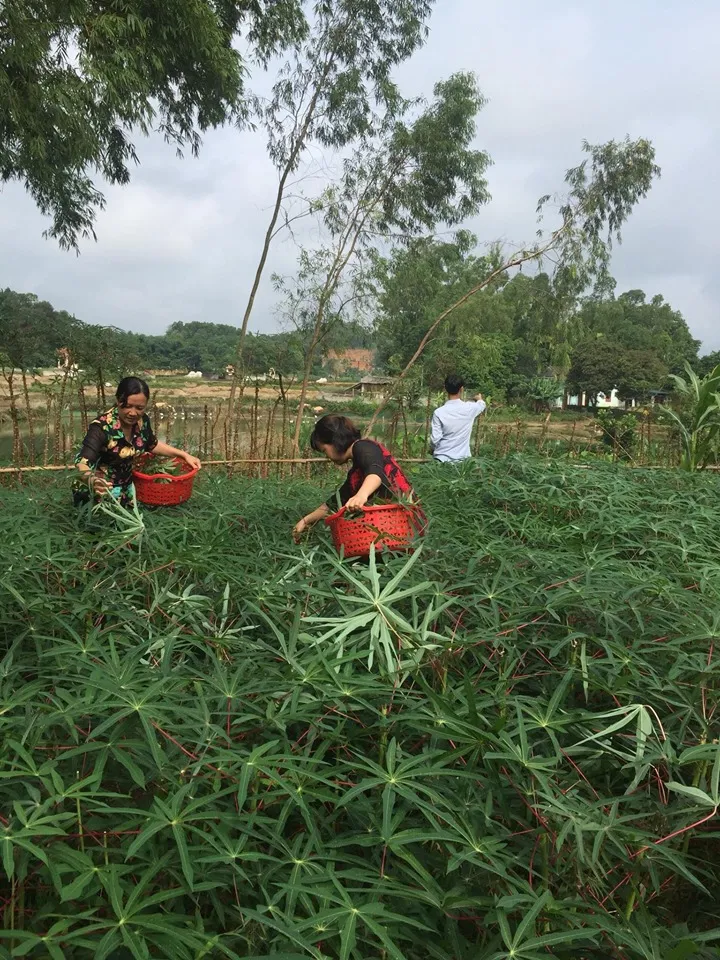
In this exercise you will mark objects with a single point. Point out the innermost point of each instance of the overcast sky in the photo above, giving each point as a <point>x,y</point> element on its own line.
<point>181,241</point>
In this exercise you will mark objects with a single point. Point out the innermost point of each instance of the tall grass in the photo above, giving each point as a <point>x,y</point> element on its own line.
<point>228,746</point>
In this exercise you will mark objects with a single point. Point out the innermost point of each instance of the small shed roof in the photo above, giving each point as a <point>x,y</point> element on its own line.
<point>373,381</point>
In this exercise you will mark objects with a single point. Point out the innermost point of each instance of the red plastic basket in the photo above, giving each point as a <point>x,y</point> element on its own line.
<point>391,526</point>
<point>163,489</point>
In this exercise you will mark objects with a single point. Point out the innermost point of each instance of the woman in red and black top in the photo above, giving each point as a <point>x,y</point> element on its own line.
<point>375,476</point>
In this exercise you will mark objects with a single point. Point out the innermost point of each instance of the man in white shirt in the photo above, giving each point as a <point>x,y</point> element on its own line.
<point>452,423</point>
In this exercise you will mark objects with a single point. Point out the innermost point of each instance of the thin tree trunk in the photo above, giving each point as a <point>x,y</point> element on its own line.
<point>345,250</point>
<point>405,427</point>
<point>30,419</point>
<point>256,420</point>
<point>71,429</point>
<point>428,418</point>
<point>269,431</point>
<point>303,389</point>
<point>83,405</point>
<point>297,148</point>
<point>284,430</point>
<point>17,456</point>
<point>235,425</point>
<point>46,447</point>
<point>60,403</point>
<point>218,414</point>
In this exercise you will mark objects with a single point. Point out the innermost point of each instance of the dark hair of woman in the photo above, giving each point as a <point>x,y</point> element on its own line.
<point>129,387</point>
<point>337,431</point>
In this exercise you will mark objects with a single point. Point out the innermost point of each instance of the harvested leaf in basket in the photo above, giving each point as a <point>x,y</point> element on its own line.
<point>169,467</point>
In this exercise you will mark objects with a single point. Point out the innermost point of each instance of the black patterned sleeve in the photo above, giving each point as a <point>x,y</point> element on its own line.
<point>151,441</point>
<point>93,446</point>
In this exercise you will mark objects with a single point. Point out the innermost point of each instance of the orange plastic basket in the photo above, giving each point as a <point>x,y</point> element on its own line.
<point>163,489</point>
<point>391,526</point>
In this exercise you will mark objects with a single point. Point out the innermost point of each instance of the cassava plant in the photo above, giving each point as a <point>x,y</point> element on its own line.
<point>504,746</point>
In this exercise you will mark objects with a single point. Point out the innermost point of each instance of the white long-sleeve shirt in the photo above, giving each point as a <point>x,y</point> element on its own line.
<point>452,426</point>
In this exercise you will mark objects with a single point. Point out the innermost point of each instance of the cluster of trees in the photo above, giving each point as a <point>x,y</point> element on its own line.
<point>524,335</point>
<point>32,332</point>
<point>211,347</point>
<point>82,83</point>
<point>514,339</point>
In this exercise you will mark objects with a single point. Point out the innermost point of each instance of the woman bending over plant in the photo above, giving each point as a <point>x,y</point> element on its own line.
<point>114,441</point>
<point>375,476</point>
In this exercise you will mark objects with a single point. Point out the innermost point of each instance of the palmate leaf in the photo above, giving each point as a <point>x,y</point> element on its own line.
<point>292,934</point>
<point>372,916</point>
<point>694,793</point>
<point>276,715</point>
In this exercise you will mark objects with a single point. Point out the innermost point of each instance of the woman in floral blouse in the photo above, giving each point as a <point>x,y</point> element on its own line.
<point>114,440</point>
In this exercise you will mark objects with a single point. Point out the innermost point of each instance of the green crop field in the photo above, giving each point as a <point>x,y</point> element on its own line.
<point>215,743</point>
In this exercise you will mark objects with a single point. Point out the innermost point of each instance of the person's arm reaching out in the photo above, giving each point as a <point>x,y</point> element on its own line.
<point>87,459</point>
<point>310,520</point>
<point>370,485</point>
<point>165,450</point>
<point>367,457</point>
<point>481,406</point>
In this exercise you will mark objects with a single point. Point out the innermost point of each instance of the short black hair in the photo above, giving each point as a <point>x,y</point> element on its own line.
<point>454,384</point>
<point>128,387</point>
<point>338,431</point>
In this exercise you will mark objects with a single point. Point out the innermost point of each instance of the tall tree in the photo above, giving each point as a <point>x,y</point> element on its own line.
<point>484,361</point>
<point>601,196</point>
<point>28,331</point>
<point>600,365</point>
<point>543,325</point>
<point>414,174</point>
<point>418,280</point>
<point>638,324</point>
<point>78,77</point>
<point>105,354</point>
<point>327,94</point>
<point>707,363</point>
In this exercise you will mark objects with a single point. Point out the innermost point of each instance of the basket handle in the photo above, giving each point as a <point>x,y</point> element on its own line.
<point>340,512</point>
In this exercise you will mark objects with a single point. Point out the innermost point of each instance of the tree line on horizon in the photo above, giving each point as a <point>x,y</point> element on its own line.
<point>512,341</point>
